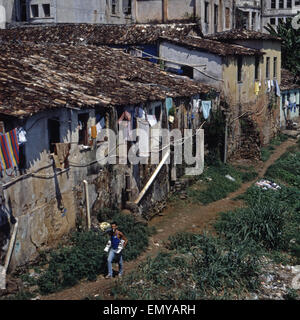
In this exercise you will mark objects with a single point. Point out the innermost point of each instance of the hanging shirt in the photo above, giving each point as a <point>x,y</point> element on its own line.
<point>277,89</point>
<point>206,106</point>
<point>9,150</point>
<point>256,87</point>
<point>169,104</point>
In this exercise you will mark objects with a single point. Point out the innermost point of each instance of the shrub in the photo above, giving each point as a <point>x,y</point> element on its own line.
<point>218,186</point>
<point>85,257</point>
<point>286,169</point>
<point>200,267</point>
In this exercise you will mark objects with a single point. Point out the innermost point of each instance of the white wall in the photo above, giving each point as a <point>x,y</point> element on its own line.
<point>187,56</point>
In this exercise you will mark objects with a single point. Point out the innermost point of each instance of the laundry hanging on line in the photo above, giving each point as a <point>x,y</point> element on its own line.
<point>169,104</point>
<point>143,143</point>
<point>206,107</point>
<point>9,150</point>
<point>256,88</point>
<point>277,88</point>
<point>21,134</point>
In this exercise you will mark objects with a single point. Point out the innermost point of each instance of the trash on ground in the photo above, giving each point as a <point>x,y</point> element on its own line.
<point>266,184</point>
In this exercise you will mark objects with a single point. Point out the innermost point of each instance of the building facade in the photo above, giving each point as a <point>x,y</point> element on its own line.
<point>274,11</point>
<point>247,14</point>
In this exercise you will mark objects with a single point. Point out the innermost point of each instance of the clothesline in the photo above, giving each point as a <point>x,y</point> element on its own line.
<point>182,64</point>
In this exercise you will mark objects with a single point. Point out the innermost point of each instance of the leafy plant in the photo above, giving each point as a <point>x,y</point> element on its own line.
<point>85,258</point>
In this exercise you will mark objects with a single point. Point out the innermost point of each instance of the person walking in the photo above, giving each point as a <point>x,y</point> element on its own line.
<point>115,246</point>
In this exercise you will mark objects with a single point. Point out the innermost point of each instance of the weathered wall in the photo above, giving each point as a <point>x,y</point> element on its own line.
<point>277,13</point>
<point>193,57</point>
<point>77,11</point>
<point>50,203</point>
<point>149,11</point>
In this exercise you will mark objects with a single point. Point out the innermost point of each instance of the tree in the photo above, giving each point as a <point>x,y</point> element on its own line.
<point>290,46</point>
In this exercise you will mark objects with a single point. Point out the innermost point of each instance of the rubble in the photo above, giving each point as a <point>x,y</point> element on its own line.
<point>276,282</point>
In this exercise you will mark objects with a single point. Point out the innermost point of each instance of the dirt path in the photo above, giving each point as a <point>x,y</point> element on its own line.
<point>182,217</point>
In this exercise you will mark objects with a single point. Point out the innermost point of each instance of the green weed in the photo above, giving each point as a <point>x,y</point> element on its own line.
<point>85,258</point>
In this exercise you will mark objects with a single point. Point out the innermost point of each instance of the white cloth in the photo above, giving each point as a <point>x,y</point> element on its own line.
<point>143,143</point>
<point>21,136</point>
<point>152,120</point>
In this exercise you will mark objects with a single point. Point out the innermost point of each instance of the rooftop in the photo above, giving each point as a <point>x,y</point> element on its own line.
<point>97,34</point>
<point>212,46</point>
<point>36,77</point>
<point>241,34</point>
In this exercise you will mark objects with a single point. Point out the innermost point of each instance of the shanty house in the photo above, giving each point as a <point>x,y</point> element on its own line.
<point>54,97</point>
<point>290,99</point>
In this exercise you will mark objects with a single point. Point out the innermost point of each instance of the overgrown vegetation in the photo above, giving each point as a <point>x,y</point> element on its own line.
<point>84,256</point>
<point>227,265</point>
<point>269,149</point>
<point>216,185</point>
<point>199,267</point>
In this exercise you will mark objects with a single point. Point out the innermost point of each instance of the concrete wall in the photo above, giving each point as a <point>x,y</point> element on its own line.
<point>277,13</point>
<point>225,8</point>
<point>251,12</point>
<point>239,96</point>
<point>77,11</point>
<point>193,57</point>
<point>49,203</point>
<point>8,5</point>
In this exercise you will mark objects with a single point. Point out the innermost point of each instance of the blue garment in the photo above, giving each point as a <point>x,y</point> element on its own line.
<point>277,88</point>
<point>169,104</point>
<point>115,242</point>
<point>206,106</point>
<point>111,256</point>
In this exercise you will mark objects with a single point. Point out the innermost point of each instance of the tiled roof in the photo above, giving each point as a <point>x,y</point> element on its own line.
<point>241,34</point>
<point>288,81</point>
<point>216,47</point>
<point>35,77</point>
<point>97,34</point>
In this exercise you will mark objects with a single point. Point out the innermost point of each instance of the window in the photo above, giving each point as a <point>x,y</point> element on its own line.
<point>83,128</point>
<point>267,67</point>
<point>46,8</point>
<point>289,3</point>
<point>239,68</point>
<point>275,67</point>
<point>114,6</point>
<point>273,4</point>
<point>280,20</point>
<point>256,72</point>
<point>127,6</point>
<point>34,10</point>
<point>297,3</point>
<point>281,4</point>
<point>188,71</point>
<point>53,133</point>
<point>253,20</point>
<point>206,12</point>
<point>216,15</point>
<point>273,21</point>
<point>227,18</point>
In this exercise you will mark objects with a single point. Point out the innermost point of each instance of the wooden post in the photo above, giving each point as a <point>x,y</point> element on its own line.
<point>87,203</point>
<point>148,184</point>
